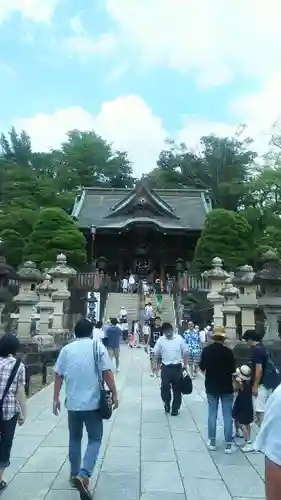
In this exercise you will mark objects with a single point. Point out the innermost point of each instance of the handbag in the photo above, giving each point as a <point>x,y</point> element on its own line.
<point>105,408</point>
<point>10,380</point>
<point>186,384</point>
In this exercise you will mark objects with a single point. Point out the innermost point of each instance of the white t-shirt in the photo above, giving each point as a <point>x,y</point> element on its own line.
<point>125,283</point>
<point>268,440</point>
<point>146,329</point>
<point>124,327</point>
<point>171,351</point>
<point>98,333</point>
<point>123,313</point>
<point>132,280</point>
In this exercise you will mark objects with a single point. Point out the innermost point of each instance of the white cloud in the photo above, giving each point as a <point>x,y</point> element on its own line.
<point>131,125</point>
<point>196,127</point>
<point>34,10</point>
<point>215,39</point>
<point>126,121</point>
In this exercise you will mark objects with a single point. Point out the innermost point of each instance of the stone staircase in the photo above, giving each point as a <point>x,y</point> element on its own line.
<point>116,300</point>
<point>167,313</point>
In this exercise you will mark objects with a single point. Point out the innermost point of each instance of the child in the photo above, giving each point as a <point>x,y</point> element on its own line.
<point>146,332</point>
<point>131,336</point>
<point>243,413</point>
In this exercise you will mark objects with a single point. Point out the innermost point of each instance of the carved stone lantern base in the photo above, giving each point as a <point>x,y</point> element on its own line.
<point>44,341</point>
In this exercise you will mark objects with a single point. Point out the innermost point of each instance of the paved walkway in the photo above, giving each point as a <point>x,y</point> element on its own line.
<point>145,455</point>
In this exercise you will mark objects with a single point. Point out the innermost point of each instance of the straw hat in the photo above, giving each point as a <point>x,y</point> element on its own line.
<point>219,331</point>
<point>244,372</point>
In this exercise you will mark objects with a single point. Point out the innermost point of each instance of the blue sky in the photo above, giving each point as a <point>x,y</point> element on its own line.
<point>138,71</point>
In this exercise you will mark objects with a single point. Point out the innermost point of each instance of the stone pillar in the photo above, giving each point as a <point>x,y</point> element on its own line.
<point>269,279</point>
<point>60,275</point>
<point>216,278</point>
<point>230,309</point>
<point>46,307</point>
<point>245,280</point>
<point>29,277</point>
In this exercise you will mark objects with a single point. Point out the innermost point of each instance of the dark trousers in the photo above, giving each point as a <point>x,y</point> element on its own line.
<point>171,378</point>
<point>7,432</point>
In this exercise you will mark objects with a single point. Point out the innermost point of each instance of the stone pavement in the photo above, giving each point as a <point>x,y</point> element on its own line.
<point>145,455</point>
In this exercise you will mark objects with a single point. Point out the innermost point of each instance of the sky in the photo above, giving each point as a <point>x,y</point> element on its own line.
<point>140,71</point>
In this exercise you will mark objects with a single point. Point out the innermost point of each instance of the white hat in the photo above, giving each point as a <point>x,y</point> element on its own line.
<point>244,372</point>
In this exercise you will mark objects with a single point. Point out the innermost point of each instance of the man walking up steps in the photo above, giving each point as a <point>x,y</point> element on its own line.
<point>171,349</point>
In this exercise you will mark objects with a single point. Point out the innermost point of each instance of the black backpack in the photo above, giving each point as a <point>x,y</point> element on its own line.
<point>271,376</point>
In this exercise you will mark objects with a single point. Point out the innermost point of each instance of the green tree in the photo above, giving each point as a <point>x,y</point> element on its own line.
<point>226,234</point>
<point>20,219</point>
<point>56,232</point>
<point>222,168</point>
<point>87,160</point>
<point>12,246</point>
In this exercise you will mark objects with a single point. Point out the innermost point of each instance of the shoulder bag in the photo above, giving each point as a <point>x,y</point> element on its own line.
<point>186,383</point>
<point>105,396</point>
<point>8,385</point>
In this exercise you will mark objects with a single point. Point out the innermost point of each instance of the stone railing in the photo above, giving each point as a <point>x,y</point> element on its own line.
<point>188,281</point>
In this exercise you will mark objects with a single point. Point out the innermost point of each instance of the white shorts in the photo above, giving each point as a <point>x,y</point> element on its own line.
<point>259,401</point>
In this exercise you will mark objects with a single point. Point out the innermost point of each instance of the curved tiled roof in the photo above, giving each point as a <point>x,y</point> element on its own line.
<point>168,208</point>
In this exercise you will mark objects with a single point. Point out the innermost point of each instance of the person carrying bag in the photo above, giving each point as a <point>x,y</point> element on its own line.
<point>12,399</point>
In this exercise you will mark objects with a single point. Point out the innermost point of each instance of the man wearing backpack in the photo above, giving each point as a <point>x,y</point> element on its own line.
<point>264,373</point>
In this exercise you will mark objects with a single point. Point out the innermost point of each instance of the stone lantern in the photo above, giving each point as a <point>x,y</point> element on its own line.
<point>29,277</point>
<point>269,279</point>
<point>230,309</point>
<point>60,275</point>
<point>244,279</point>
<point>5,295</point>
<point>102,263</point>
<point>46,307</point>
<point>216,278</point>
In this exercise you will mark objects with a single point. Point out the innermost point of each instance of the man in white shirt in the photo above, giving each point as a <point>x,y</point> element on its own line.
<point>125,284</point>
<point>268,442</point>
<point>76,367</point>
<point>171,350</point>
<point>132,283</point>
<point>122,314</point>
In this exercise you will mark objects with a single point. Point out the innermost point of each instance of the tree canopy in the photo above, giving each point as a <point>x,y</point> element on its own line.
<point>55,232</point>
<point>243,188</point>
<point>226,234</point>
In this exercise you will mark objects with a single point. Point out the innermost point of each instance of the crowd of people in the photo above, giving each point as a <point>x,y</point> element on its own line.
<point>247,393</point>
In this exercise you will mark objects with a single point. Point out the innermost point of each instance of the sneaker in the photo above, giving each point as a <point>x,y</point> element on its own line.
<point>82,485</point>
<point>248,447</point>
<point>238,435</point>
<point>211,445</point>
<point>175,413</point>
<point>229,449</point>
<point>152,375</point>
<point>167,407</point>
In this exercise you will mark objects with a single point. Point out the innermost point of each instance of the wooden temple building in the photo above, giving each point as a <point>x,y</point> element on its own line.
<point>140,230</point>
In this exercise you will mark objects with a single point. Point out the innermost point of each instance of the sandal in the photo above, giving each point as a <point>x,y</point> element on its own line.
<point>3,485</point>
